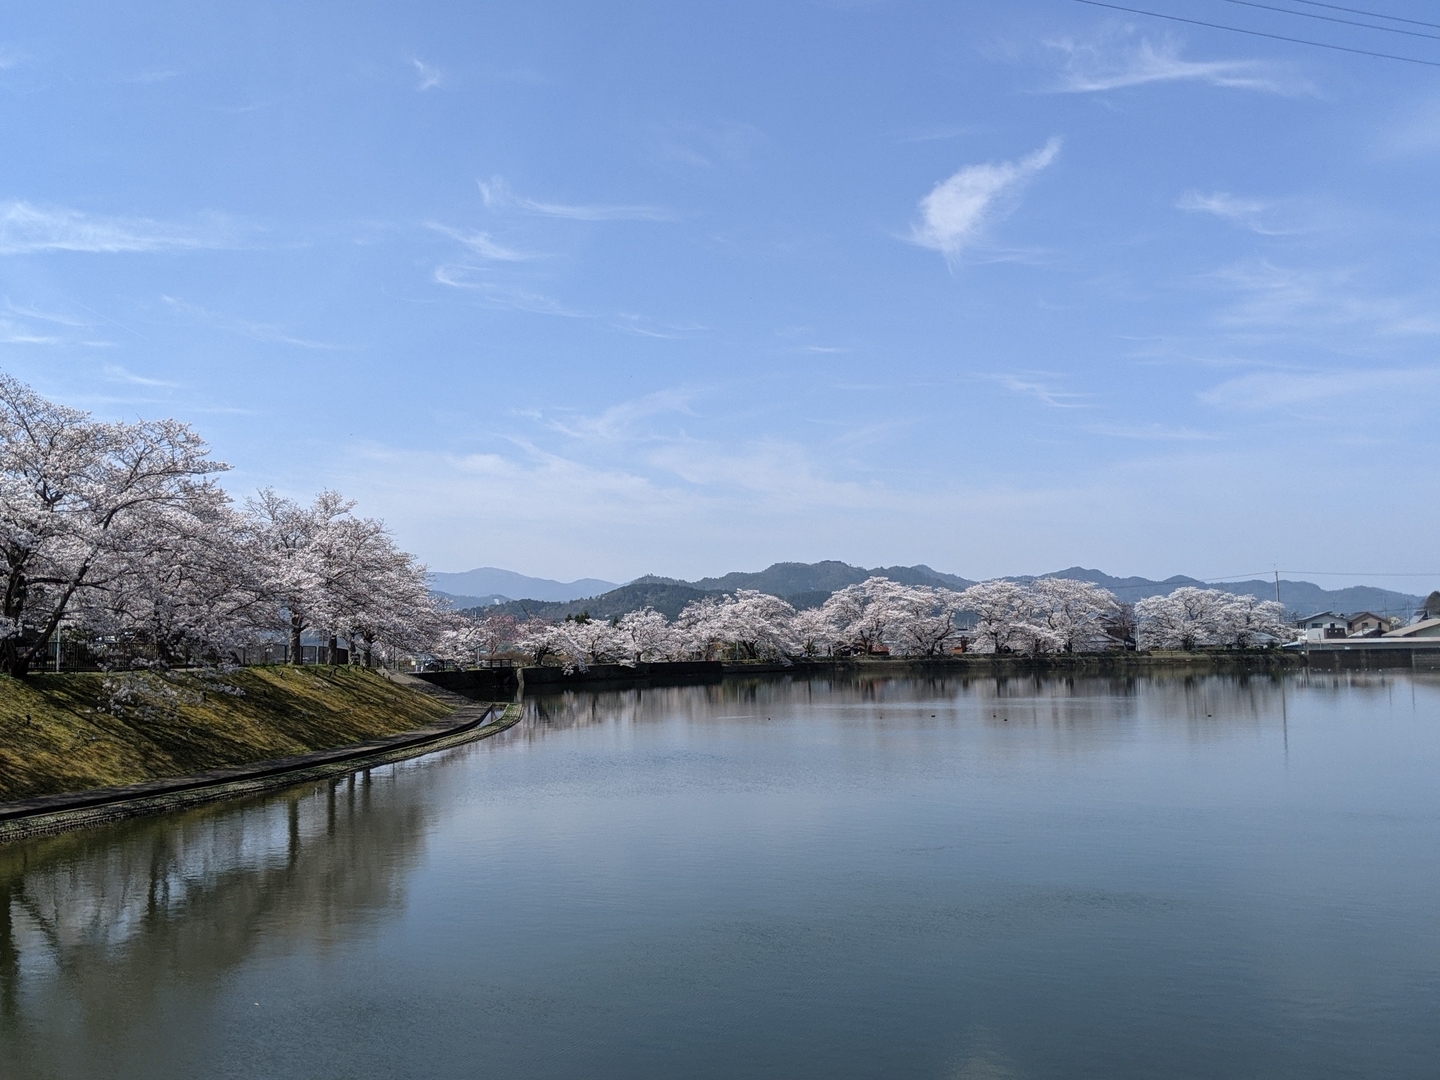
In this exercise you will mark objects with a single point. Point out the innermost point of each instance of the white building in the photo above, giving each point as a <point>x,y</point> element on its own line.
<point>1323,625</point>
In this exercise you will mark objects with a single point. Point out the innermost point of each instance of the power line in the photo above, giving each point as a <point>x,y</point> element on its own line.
<point>1261,33</point>
<point>1336,573</point>
<point>1371,14</point>
<point>1256,575</point>
<point>1334,19</point>
<point>1263,575</point>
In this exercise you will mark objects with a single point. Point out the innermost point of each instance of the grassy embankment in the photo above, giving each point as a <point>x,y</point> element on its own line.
<point>75,732</point>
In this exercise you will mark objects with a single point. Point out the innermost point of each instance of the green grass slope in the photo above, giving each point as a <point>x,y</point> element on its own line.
<point>63,733</point>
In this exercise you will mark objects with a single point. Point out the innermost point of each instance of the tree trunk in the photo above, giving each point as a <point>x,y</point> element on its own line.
<point>14,658</point>
<point>334,650</point>
<point>295,627</point>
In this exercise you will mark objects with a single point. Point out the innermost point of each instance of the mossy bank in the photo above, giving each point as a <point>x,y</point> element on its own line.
<point>62,733</point>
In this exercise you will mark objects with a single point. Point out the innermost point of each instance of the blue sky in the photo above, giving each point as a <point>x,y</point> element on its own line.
<point>603,290</point>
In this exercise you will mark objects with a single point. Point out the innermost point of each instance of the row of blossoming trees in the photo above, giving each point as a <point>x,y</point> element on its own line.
<point>117,535</point>
<point>1046,615</point>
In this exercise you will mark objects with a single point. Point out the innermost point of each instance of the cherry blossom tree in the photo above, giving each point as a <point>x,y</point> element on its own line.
<point>392,610</point>
<point>1073,612</point>
<point>814,632</point>
<point>1119,626</point>
<point>1244,621</point>
<point>648,636</point>
<point>758,625</point>
<point>924,623</point>
<point>701,627</point>
<point>537,639</point>
<point>201,598</point>
<point>578,641</point>
<point>868,612</point>
<point>332,572</point>
<point>83,504</point>
<point>1185,619</point>
<point>584,641</point>
<point>289,538</point>
<point>372,591</point>
<point>753,624</point>
<point>494,632</point>
<point>1000,608</point>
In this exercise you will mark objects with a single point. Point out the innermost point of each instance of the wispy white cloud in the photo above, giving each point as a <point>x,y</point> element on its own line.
<point>939,133</point>
<point>21,329</point>
<point>1151,432</point>
<point>116,373</point>
<point>619,422</point>
<point>1044,392</point>
<point>774,472</point>
<point>26,229</point>
<point>28,312</point>
<point>1267,217</point>
<point>497,193</point>
<point>644,326</point>
<point>429,76</point>
<point>500,295</point>
<point>1114,62</point>
<point>1229,207</point>
<point>729,144</point>
<point>255,331</point>
<point>697,506</point>
<point>1276,297</point>
<point>689,507</point>
<point>15,333</point>
<point>1289,390</point>
<point>146,77</point>
<point>956,211</point>
<point>480,243</point>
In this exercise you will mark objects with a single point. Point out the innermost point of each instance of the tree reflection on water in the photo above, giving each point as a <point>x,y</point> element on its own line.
<point>1064,701</point>
<point>98,929</point>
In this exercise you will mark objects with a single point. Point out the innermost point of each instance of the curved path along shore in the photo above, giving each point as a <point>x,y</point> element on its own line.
<point>49,814</point>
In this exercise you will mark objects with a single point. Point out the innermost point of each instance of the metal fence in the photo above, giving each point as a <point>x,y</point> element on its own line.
<point>66,656</point>
<point>280,654</point>
<point>69,655</point>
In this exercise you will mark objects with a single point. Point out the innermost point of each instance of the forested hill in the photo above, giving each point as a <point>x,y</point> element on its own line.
<point>1303,597</point>
<point>791,578</point>
<point>667,597</point>
<point>810,584</point>
<point>802,584</point>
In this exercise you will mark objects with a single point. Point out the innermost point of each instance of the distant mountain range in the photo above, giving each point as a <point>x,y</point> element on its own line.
<point>1302,597</point>
<point>486,584</point>
<point>811,584</point>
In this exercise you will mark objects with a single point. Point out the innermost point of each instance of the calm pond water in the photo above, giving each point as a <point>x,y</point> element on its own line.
<point>1170,877</point>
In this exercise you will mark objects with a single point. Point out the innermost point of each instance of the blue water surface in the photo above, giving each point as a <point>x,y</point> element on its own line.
<point>1161,877</point>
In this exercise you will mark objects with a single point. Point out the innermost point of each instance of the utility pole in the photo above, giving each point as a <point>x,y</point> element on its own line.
<point>1277,586</point>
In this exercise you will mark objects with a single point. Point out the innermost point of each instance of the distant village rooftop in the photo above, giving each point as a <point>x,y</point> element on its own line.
<point>1329,626</point>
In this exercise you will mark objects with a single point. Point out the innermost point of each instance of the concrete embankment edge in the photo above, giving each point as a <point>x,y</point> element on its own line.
<point>50,814</point>
<point>532,681</point>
